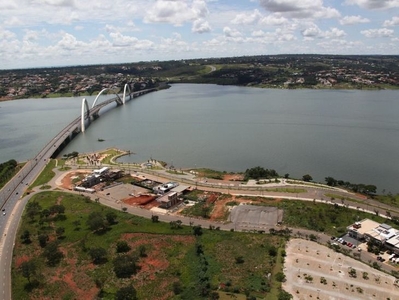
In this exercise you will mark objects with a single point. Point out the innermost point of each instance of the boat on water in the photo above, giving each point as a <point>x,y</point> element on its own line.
<point>100,140</point>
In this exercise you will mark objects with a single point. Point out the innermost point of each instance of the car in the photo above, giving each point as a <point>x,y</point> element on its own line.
<point>359,249</point>
<point>107,194</point>
<point>3,209</point>
<point>4,213</point>
<point>353,246</point>
<point>333,238</point>
<point>349,244</point>
<point>344,243</point>
<point>379,258</point>
<point>382,259</point>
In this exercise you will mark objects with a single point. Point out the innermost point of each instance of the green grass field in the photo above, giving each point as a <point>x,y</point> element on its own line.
<point>46,175</point>
<point>177,265</point>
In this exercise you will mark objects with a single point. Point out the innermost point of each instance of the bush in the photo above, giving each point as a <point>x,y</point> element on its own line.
<point>125,266</point>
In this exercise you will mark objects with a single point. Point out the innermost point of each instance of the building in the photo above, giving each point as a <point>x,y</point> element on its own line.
<point>381,234</point>
<point>393,244</point>
<point>359,229</point>
<point>102,171</point>
<point>168,200</point>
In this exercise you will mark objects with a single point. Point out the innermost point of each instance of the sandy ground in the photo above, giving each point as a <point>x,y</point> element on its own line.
<point>309,258</point>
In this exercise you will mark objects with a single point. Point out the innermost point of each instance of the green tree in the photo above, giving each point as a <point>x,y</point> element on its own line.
<point>142,251</point>
<point>126,293</point>
<point>98,255</point>
<point>307,178</point>
<point>43,239</point>
<point>155,219</point>
<point>53,254</point>
<point>96,222</point>
<point>280,277</point>
<point>197,230</point>
<point>25,237</point>
<point>125,266</point>
<point>28,269</point>
<point>283,295</point>
<point>60,232</point>
<point>111,218</point>
<point>122,246</point>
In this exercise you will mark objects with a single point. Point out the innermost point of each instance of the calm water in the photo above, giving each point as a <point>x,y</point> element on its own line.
<point>349,135</point>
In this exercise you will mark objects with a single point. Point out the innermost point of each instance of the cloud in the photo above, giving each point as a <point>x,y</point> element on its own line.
<point>300,9</point>
<point>311,32</point>
<point>377,33</point>
<point>247,18</point>
<point>273,20</point>
<point>351,20</point>
<point>374,4</point>
<point>393,22</point>
<point>175,12</point>
<point>65,3</point>
<point>120,40</point>
<point>334,33</point>
<point>228,32</point>
<point>200,26</point>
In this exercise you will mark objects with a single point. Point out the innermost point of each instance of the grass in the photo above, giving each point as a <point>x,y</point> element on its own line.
<point>111,153</point>
<point>286,190</point>
<point>173,256</point>
<point>204,172</point>
<point>45,176</point>
<point>391,200</point>
<point>175,172</point>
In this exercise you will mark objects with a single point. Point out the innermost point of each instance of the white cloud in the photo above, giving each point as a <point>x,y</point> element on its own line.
<point>175,12</point>
<point>273,20</point>
<point>247,18</point>
<point>6,34</point>
<point>66,3</point>
<point>334,33</point>
<point>312,32</point>
<point>393,22</point>
<point>377,33</point>
<point>200,26</point>
<point>351,20</point>
<point>374,4</point>
<point>300,9</point>
<point>228,32</point>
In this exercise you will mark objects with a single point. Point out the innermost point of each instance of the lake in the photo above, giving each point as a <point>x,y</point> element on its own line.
<point>347,134</point>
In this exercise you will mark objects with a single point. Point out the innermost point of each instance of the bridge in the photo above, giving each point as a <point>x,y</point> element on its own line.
<point>34,166</point>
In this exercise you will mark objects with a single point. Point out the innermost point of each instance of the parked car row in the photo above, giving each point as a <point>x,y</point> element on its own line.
<point>343,242</point>
<point>394,258</point>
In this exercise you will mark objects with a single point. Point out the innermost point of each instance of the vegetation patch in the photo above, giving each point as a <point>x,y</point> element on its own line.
<point>46,175</point>
<point>72,248</point>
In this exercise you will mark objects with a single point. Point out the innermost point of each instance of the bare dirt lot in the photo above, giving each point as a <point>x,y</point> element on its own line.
<point>256,216</point>
<point>314,271</point>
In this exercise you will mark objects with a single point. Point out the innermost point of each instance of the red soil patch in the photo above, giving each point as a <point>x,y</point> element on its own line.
<point>20,260</point>
<point>212,198</point>
<point>66,182</point>
<point>233,177</point>
<point>139,200</point>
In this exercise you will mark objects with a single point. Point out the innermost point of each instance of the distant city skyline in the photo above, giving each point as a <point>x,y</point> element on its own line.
<point>45,33</point>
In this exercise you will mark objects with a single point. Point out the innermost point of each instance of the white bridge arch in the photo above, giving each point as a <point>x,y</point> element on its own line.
<point>85,106</point>
<point>124,93</point>
<point>99,94</point>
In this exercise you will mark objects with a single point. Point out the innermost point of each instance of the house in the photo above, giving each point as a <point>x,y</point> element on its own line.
<point>359,229</point>
<point>168,200</point>
<point>381,233</point>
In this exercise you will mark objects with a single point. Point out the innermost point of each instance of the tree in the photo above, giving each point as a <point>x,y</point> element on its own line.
<point>197,230</point>
<point>111,217</point>
<point>126,293</point>
<point>53,254</point>
<point>155,219</point>
<point>122,246</point>
<point>283,295</point>
<point>124,209</point>
<point>142,251</point>
<point>25,237</point>
<point>28,269</point>
<point>286,175</point>
<point>98,255</point>
<point>239,260</point>
<point>60,232</point>
<point>307,178</point>
<point>43,239</point>
<point>96,222</point>
<point>280,277</point>
<point>330,181</point>
<point>125,266</point>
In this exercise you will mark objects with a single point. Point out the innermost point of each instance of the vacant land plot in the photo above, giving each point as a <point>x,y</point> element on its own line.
<point>256,216</point>
<point>315,271</point>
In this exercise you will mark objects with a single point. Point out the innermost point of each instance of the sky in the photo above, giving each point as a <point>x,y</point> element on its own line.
<point>51,33</point>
